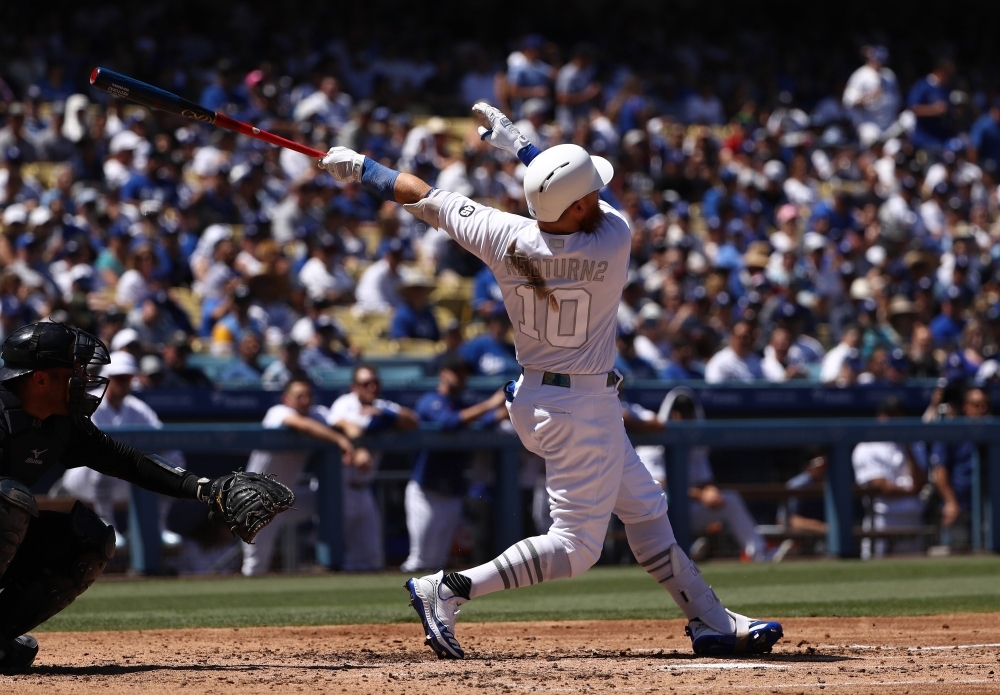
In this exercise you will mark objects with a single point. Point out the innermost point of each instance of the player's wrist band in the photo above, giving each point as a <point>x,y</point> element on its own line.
<point>378,179</point>
<point>527,153</point>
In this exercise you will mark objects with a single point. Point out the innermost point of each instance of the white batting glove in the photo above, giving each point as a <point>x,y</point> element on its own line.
<point>502,134</point>
<point>343,164</point>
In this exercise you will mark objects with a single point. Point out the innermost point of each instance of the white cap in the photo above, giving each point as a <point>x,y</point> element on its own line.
<point>876,255</point>
<point>122,364</point>
<point>781,242</point>
<point>814,241</point>
<point>560,176</point>
<point>125,140</point>
<point>15,214</point>
<point>861,289</point>
<point>124,338</point>
<point>39,216</point>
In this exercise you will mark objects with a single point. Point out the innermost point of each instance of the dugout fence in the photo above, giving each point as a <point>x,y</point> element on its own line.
<point>836,436</point>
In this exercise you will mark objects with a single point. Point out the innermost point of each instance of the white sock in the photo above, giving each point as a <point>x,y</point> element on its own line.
<point>527,562</point>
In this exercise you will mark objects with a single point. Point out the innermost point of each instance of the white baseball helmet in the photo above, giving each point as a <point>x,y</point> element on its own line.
<point>560,176</point>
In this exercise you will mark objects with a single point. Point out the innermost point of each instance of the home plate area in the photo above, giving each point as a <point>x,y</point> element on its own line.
<point>922,654</point>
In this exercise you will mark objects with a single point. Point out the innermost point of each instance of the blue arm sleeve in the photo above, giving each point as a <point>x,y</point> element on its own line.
<point>527,153</point>
<point>379,179</point>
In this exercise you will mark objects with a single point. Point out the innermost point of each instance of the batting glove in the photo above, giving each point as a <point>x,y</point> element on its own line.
<point>502,134</point>
<point>343,164</point>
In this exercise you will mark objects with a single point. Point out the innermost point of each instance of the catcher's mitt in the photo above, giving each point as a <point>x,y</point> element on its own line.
<point>247,502</point>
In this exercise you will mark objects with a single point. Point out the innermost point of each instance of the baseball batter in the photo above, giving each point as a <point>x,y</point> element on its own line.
<point>561,275</point>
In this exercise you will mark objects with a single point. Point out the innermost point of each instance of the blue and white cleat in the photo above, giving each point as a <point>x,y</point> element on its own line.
<point>749,636</point>
<point>437,614</point>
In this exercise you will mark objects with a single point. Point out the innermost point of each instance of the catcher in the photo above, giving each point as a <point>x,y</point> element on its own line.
<point>47,558</point>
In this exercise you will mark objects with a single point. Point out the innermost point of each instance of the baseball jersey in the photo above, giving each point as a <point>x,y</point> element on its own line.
<point>274,418</point>
<point>561,291</point>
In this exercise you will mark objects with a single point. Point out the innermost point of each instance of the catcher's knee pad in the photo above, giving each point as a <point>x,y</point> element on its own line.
<point>50,582</point>
<point>17,507</point>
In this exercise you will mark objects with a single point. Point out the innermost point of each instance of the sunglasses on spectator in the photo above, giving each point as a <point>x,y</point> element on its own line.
<point>366,384</point>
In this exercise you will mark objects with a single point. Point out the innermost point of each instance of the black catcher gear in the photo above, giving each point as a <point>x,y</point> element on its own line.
<point>17,507</point>
<point>246,502</point>
<point>61,556</point>
<point>45,345</point>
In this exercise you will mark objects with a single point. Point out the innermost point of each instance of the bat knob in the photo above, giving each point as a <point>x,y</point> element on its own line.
<point>93,75</point>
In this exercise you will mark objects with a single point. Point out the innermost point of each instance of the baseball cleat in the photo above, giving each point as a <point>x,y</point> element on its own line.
<point>749,636</point>
<point>436,614</point>
<point>18,654</point>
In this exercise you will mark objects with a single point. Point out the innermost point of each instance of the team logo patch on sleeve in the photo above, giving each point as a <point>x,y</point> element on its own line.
<point>466,210</point>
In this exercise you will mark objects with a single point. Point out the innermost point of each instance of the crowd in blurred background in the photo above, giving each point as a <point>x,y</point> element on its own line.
<point>800,210</point>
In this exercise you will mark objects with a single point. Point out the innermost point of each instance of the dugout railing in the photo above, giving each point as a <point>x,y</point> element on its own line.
<point>836,436</point>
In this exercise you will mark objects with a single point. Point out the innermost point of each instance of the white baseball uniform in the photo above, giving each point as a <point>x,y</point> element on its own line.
<point>362,520</point>
<point>103,491</point>
<point>286,466</point>
<point>562,294</point>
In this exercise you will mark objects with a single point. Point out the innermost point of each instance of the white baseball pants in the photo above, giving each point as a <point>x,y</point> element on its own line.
<point>431,520</point>
<point>591,469</point>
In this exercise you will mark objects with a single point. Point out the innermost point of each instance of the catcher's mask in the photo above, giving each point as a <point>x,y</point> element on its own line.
<point>47,344</point>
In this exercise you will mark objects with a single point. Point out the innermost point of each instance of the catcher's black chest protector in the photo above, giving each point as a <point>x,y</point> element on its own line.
<point>29,447</point>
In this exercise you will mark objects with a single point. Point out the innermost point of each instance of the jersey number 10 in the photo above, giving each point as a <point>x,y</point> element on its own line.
<point>565,324</point>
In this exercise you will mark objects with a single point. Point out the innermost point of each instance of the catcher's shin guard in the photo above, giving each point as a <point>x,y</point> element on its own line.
<point>17,507</point>
<point>61,556</point>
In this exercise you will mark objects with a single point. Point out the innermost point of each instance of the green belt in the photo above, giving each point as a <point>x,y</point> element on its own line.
<point>555,379</point>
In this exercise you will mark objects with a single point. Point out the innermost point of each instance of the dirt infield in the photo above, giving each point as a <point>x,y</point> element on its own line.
<point>936,654</point>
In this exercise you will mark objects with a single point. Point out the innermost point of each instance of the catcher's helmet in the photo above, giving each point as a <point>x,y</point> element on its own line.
<point>47,344</point>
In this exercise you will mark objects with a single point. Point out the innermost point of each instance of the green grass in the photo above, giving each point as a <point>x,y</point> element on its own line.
<point>822,588</point>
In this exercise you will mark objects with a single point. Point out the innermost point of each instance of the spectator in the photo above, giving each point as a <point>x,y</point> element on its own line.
<point>492,353</point>
<point>245,371</point>
<point>322,353</point>
<point>628,362</point>
<point>834,360</point>
<point>527,75</point>
<point>243,318</point>
<point>176,372</point>
<point>777,364</point>
<point>323,276</point>
<point>378,288</point>
<point>284,369</point>
<point>683,364</point>
<point>985,138</point>
<point>414,317</point>
<point>119,409</point>
<point>358,413</point>
<point>296,412</point>
<point>872,95</point>
<point>953,467</point>
<point>576,88</point>
<point>893,475</point>
<point>434,494</point>
<point>929,101</point>
<point>14,137</point>
<point>150,373</point>
<point>736,362</point>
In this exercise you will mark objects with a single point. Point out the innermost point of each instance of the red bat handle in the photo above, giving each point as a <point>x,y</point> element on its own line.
<point>224,121</point>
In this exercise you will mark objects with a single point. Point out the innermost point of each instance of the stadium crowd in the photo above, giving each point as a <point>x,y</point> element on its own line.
<point>843,231</point>
<point>828,216</point>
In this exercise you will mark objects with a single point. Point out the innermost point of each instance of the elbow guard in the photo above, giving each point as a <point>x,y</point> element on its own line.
<point>428,208</point>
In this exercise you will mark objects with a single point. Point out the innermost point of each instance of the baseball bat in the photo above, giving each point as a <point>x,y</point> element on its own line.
<point>162,100</point>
